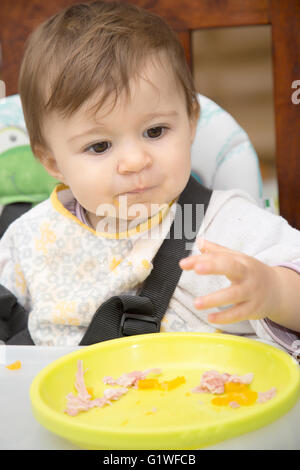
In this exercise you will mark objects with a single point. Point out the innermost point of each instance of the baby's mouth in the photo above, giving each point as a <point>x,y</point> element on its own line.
<point>138,190</point>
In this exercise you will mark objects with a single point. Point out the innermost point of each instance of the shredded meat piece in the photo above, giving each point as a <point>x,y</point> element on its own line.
<point>242,379</point>
<point>83,394</point>
<point>114,393</point>
<point>130,379</point>
<point>234,404</point>
<point>83,401</point>
<point>266,396</point>
<point>213,382</point>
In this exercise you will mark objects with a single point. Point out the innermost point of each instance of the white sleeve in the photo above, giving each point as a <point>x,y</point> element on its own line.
<point>236,222</point>
<point>11,275</point>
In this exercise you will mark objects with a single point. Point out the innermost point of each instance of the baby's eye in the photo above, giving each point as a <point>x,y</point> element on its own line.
<point>99,147</point>
<point>155,132</point>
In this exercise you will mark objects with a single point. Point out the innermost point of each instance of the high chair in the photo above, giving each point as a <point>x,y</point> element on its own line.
<point>18,19</point>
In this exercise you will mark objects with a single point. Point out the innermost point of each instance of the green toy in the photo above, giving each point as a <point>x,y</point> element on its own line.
<point>22,176</point>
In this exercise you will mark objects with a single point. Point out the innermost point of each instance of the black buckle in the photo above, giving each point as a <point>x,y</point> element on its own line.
<point>137,316</point>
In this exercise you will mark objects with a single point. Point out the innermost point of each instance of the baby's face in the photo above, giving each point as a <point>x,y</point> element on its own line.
<point>140,149</point>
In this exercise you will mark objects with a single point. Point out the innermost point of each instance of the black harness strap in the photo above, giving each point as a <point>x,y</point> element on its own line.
<point>11,212</point>
<point>13,319</point>
<point>127,315</point>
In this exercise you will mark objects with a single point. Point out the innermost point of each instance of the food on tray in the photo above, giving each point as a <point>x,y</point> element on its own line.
<point>266,396</point>
<point>234,389</point>
<point>130,379</point>
<point>83,401</point>
<point>154,384</point>
<point>236,395</point>
<point>229,390</point>
<point>14,366</point>
<point>214,382</point>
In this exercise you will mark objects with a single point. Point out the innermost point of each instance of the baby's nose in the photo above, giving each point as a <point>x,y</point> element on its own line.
<point>134,159</point>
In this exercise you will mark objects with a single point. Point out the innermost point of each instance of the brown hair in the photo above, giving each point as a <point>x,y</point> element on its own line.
<point>90,47</point>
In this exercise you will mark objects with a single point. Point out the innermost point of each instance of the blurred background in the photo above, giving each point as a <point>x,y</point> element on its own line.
<point>233,66</point>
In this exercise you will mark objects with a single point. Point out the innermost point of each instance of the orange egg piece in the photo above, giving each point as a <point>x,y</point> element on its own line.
<point>171,384</point>
<point>236,392</point>
<point>14,366</point>
<point>90,391</point>
<point>148,384</point>
<point>154,384</point>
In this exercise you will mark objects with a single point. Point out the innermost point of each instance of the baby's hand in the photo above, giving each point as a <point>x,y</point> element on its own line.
<point>254,286</point>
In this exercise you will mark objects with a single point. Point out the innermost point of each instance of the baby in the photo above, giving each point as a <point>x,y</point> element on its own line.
<point>111,111</point>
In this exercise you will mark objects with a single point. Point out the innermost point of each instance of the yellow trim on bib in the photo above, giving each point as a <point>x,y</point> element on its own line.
<point>143,227</point>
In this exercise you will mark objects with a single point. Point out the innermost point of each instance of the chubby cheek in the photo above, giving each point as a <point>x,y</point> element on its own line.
<point>179,172</point>
<point>91,200</point>
<point>92,188</point>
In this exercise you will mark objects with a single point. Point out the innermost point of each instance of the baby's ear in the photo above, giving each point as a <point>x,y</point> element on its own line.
<point>48,161</point>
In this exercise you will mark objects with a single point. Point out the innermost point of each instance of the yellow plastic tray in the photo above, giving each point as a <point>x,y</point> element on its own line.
<point>153,419</point>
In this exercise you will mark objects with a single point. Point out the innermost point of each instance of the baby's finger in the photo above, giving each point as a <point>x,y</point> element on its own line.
<point>234,314</point>
<point>189,262</point>
<point>230,295</point>
<point>209,247</point>
<point>205,247</point>
<point>225,264</point>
